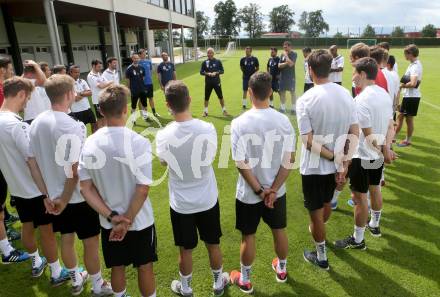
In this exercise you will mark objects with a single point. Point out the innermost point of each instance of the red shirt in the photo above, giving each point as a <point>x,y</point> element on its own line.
<point>2,96</point>
<point>381,81</point>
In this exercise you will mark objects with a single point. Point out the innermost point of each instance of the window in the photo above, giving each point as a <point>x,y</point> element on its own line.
<point>189,8</point>
<point>177,6</point>
<point>3,51</point>
<point>27,50</point>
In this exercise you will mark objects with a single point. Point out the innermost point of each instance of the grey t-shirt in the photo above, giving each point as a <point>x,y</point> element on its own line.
<point>288,73</point>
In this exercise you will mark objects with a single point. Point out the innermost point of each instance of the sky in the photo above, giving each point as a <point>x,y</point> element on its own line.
<point>381,14</point>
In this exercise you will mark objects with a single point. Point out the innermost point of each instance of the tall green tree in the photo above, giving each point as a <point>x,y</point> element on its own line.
<point>202,24</point>
<point>281,19</point>
<point>338,35</point>
<point>252,19</point>
<point>369,32</point>
<point>313,23</point>
<point>398,32</point>
<point>429,31</point>
<point>227,20</point>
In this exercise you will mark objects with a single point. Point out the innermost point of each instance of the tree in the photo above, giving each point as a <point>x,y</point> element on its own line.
<point>398,32</point>
<point>202,24</point>
<point>312,23</point>
<point>252,19</point>
<point>429,31</point>
<point>226,18</point>
<point>281,19</point>
<point>338,35</point>
<point>369,32</point>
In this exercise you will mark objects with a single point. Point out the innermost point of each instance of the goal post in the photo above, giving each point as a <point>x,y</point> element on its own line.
<point>230,49</point>
<point>368,41</point>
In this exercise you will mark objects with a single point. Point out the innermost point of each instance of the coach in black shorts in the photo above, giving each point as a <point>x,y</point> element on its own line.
<point>135,80</point>
<point>212,69</point>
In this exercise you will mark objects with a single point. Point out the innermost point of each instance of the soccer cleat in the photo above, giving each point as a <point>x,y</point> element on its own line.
<point>226,280</point>
<point>16,256</point>
<point>312,257</point>
<point>11,219</point>
<point>205,114</point>
<point>38,271</point>
<point>176,287</point>
<point>64,276</point>
<point>281,276</point>
<point>76,290</point>
<point>106,290</point>
<point>235,280</point>
<point>13,234</point>
<point>404,143</point>
<point>334,205</point>
<point>374,231</point>
<point>156,115</point>
<point>350,243</point>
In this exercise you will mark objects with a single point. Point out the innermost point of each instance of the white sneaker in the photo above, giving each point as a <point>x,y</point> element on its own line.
<point>176,287</point>
<point>226,281</point>
<point>106,290</point>
<point>76,290</point>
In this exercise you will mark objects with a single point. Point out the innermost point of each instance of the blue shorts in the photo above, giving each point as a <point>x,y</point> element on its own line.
<point>275,85</point>
<point>245,84</point>
<point>287,85</point>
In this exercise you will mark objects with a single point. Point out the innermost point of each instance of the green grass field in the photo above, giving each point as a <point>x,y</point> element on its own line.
<point>404,262</point>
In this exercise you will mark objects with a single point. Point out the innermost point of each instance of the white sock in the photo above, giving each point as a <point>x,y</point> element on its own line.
<point>375,218</point>
<point>153,295</point>
<point>223,109</point>
<point>36,259</point>
<point>119,294</point>
<point>144,113</point>
<point>244,101</point>
<point>133,111</point>
<point>206,109</point>
<point>335,196</point>
<point>245,276</point>
<point>282,265</point>
<point>358,234</point>
<point>55,269</point>
<point>6,247</point>
<point>75,276</point>
<point>97,282</point>
<point>321,251</point>
<point>282,106</point>
<point>186,283</point>
<point>218,278</point>
<point>293,108</point>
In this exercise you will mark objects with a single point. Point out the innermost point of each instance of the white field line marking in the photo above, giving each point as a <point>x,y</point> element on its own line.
<point>430,104</point>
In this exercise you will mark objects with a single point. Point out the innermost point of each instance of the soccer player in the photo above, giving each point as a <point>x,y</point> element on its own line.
<point>261,189</point>
<point>119,193</point>
<point>45,68</point>
<point>393,81</point>
<point>148,79</point>
<point>53,134</point>
<point>81,109</point>
<point>212,69</point>
<point>308,82</point>
<point>112,73</point>
<point>165,71</point>
<point>19,168</point>
<point>59,69</point>
<point>358,51</point>
<point>378,54</point>
<point>375,117</point>
<point>135,81</point>
<point>386,46</point>
<point>274,71</point>
<point>327,109</point>
<point>97,83</point>
<point>248,65</point>
<point>411,93</point>
<point>194,206</point>
<point>337,66</point>
<point>287,76</point>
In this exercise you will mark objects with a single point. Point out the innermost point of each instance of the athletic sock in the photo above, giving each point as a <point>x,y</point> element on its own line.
<point>335,196</point>
<point>5,247</point>
<point>120,294</point>
<point>144,113</point>
<point>321,250</point>
<point>206,109</point>
<point>133,111</point>
<point>75,276</point>
<point>408,138</point>
<point>97,282</point>
<point>185,280</point>
<point>36,259</point>
<point>358,234</point>
<point>375,218</point>
<point>55,269</point>
<point>244,101</point>
<point>282,106</point>
<point>218,278</point>
<point>223,109</point>
<point>282,265</point>
<point>153,295</point>
<point>245,275</point>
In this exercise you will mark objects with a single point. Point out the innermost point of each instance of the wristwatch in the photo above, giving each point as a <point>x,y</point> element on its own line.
<point>261,190</point>
<point>111,215</point>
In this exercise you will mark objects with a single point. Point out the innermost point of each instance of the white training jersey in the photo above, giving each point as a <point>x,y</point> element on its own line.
<point>307,78</point>
<point>393,83</point>
<point>82,104</point>
<point>337,62</point>
<point>38,103</point>
<point>94,79</point>
<point>110,75</point>
<point>414,69</point>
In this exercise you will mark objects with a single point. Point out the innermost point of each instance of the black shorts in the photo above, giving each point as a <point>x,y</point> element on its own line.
<point>338,83</point>
<point>98,111</point>
<point>247,216</point>
<point>185,227</point>
<point>275,85</point>
<point>216,86</point>
<point>33,210</point>
<point>361,176</point>
<point>77,218</point>
<point>3,191</point>
<point>137,248</point>
<point>85,116</point>
<point>410,106</point>
<point>142,96</point>
<point>318,190</point>
<point>245,84</point>
<point>308,86</point>
<point>149,91</point>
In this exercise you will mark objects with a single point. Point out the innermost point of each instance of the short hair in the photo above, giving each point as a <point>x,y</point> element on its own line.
<point>334,46</point>
<point>261,85</point>
<point>110,60</point>
<point>320,61</point>
<point>411,49</point>
<point>96,62</point>
<point>384,45</point>
<point>58,68</point>
<point>113,100</point>
<point>367,65</point>
<point>386,55</point>
<point>57,86</point>
<point>43,65</point>
<point>274,49</point>
<point>141,51</point>
<point>210,49</point>
<point>287,43</point>
<point>377,53</point>
<point>248,47</point>
<point>360,50</point>
<point>177,96</point>
<point>15,84</point>
<point>391,61</point>
<point>307,50</point>
<point>4,62</point>
<point>73,66</point>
